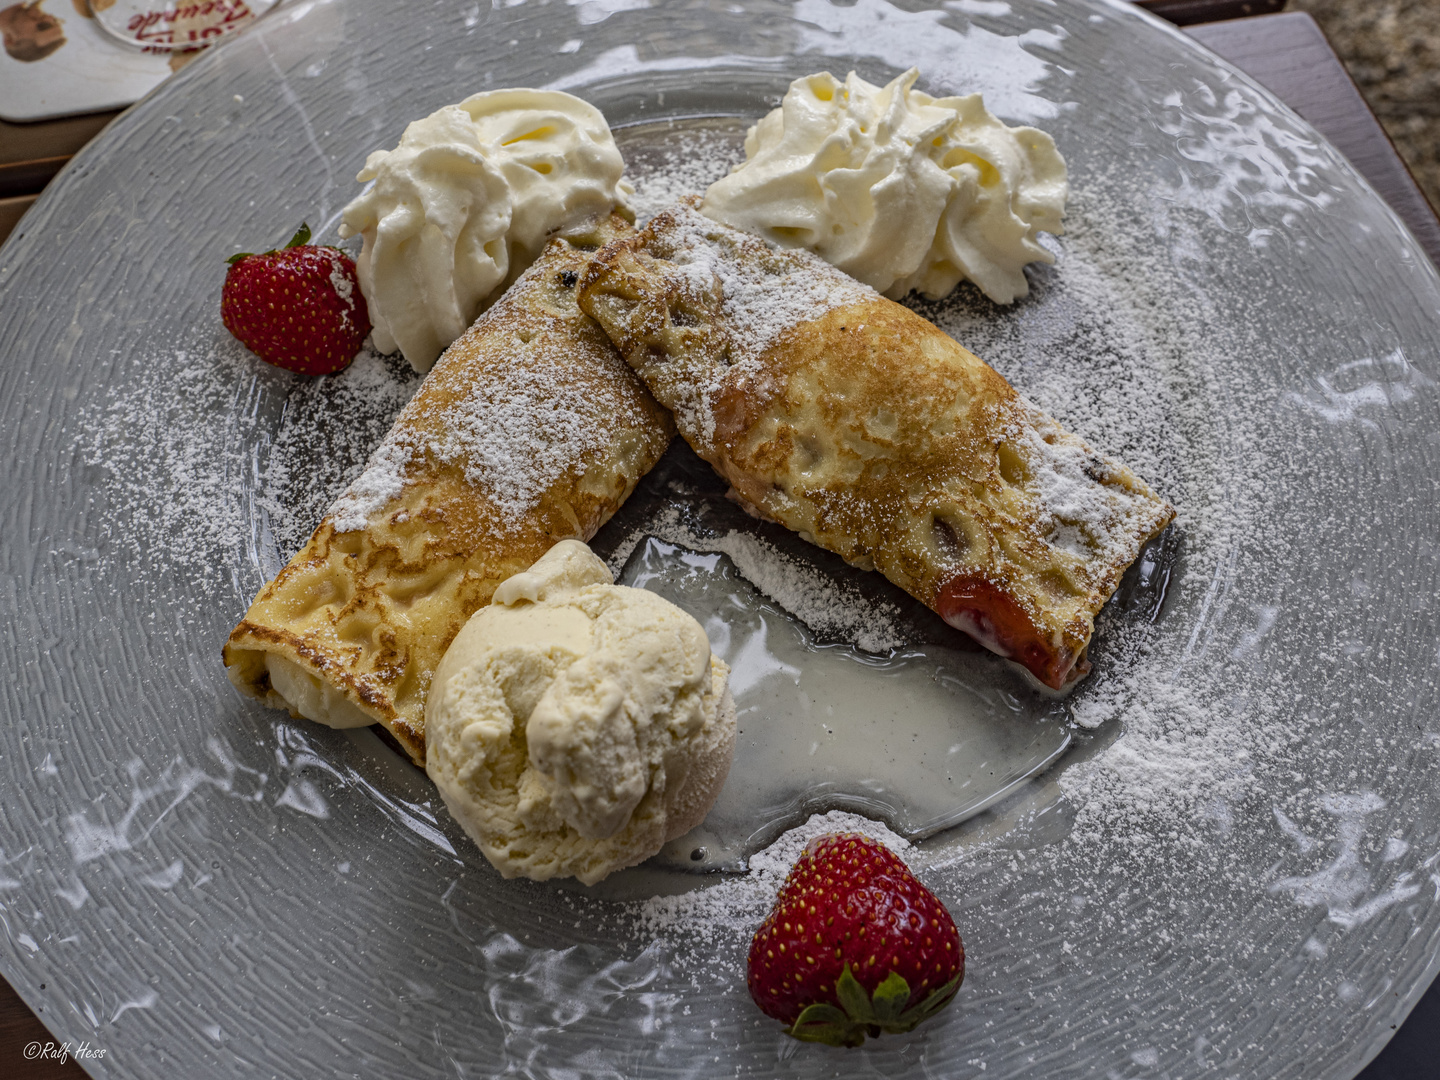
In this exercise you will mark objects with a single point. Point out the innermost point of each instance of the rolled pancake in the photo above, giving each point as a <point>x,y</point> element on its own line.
<point>530,429</point>
<point>873,434</point>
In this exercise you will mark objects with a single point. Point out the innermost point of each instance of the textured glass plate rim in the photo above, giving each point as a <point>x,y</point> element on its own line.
<point>115,131</point>
<point>1338,161</point>
<point>112,140</point>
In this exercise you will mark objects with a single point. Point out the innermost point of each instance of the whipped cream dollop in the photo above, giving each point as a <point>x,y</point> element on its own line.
<point>467,201</point>
<point>897,188</point>
<point>575,726</point>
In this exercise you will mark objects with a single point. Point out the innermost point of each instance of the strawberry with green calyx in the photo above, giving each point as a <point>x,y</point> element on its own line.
<point>299,308</point>
<point>854,946</point>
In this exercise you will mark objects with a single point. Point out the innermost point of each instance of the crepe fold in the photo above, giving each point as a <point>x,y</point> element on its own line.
<point>873,434</point>
<point>529,430</point>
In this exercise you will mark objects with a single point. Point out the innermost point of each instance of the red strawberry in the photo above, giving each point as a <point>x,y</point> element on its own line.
<point>299,308</point>
<point>854,945</point>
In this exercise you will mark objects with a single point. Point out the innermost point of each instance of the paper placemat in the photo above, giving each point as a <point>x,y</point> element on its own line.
<point>57,62</point>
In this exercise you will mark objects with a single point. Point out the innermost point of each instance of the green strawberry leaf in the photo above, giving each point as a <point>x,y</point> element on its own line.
<point>891,997</point>
<point>863,1013</point>
<point>937,1000</point>
<point>853,998</point>
<point>301,237</point>
<point>825,1023</point>
<point>940,997</point>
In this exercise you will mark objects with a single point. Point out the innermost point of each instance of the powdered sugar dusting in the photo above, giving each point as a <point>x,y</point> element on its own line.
<point>685,162</point>
<point>341,282</point>
<point>519,433</point>
<point>1084,515</point>
<point>159,462</point>
<point>1173,759</point>
<point>327,430</point>
<point>765,291</point>
<point>828,607</point>
<point>730,911</point>
<point>344,287</point>
<point>521,424</point>
<point>382,481</point>
<point>213,459</point>
<point>761,293</point>
<point>823,605</point>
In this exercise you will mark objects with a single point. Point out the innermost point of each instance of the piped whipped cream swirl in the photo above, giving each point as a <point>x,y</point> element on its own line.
<point>467,201</point>
<point>899,189</point>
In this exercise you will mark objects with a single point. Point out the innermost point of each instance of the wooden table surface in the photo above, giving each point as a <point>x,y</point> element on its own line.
<point>1287,54</point>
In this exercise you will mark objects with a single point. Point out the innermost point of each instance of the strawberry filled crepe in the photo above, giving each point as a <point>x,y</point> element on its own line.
<point>870,432</point>
<point>529,430</point>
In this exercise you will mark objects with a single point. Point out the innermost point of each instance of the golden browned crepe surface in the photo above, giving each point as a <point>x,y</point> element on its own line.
<point>529,430</point>
<point>862,426</point>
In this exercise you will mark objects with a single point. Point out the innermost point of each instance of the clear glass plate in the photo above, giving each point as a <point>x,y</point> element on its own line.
<point>1233,869</point>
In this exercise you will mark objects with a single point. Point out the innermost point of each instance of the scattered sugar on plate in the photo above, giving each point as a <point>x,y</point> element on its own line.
<point>731,909</point>
<point>213,459</point>
<point>830,608</point>
<point>688,161</point>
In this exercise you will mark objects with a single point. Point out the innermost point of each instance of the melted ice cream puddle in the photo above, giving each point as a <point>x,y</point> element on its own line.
<point>921,739</point>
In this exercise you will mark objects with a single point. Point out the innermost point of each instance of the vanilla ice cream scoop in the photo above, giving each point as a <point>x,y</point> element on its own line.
<point>897,188</point>
<point>575,726</point>
<point>466,202</point>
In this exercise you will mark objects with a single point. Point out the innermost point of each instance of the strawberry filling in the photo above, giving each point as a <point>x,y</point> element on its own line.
<point>995,619</point>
